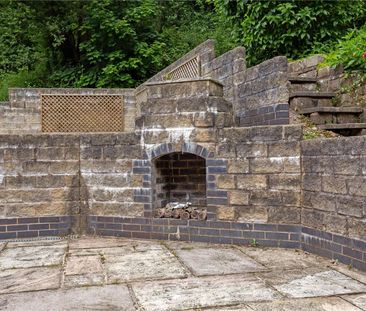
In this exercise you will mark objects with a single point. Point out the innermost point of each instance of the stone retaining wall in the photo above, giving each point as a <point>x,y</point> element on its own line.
<point>262,94</point>
<point>25,103</point>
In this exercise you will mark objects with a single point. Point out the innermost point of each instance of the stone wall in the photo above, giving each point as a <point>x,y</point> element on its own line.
<point>262,94</point>
<point>263,178</point>
<point>224,69</point>
<point>27,104</point>
<point>19,120</point>
<point>334,196</point>
<point>108,180</point>
<point>39,178</point>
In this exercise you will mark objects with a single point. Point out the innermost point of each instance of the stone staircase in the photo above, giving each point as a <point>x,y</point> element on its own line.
<point>306,99</point>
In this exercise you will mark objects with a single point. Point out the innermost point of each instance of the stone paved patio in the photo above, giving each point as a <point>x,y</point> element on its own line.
<point>122,274</point>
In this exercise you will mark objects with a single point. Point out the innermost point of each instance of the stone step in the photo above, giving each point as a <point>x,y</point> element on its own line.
<point>300,103</point>
<point>332,110</point>
<point>311,94</point>
<point>301,80</point>
<point>342,126</point>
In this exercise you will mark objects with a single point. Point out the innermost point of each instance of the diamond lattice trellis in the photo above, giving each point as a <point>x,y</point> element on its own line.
<point>189,69</point>
<point>82,113</point>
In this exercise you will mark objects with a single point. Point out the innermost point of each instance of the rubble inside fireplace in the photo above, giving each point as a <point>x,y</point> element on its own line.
<point>183,211</point>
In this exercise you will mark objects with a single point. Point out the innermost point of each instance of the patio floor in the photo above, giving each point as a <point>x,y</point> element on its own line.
<point>123,274</point>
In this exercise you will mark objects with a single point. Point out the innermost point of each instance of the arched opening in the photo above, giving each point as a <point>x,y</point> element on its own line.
<point>179,178</point>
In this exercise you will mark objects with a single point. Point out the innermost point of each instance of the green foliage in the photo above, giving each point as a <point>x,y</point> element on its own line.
<point>19,38</point>
<point>349,51</point>
<point>23,78</point>
<point>292,28</point>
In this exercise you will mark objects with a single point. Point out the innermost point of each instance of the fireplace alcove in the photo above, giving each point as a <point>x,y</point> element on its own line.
<point>179,177</point>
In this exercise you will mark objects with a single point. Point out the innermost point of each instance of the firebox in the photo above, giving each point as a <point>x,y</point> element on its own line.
<point>180,186</point>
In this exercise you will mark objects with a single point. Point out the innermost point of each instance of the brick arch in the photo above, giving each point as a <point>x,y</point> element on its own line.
<point>166,148</point>
<point>214,166</point>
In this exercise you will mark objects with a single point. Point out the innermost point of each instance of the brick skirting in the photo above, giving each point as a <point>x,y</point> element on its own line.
<point>277,114</point>
<point>333,246</point>
<point>343,249</point>
<point>32,227</point>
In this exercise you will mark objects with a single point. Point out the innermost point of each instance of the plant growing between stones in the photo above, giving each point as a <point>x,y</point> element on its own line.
<point>254,243</point>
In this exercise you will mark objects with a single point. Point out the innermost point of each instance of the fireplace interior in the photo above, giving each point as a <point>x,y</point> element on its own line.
<point>180,178</point>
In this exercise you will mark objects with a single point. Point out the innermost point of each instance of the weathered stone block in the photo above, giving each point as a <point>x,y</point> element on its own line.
<point>319,201</point>
<point>357,186</point>
<point>266,165</point>
<point>291,197</point>
<point>238,198</point>
<point>238,166</point>
<point>252,214</point>
<point>266,198</point>
<point>311,182</point>
<point>357,228</point>
<point>284,214</point>
<point>251,181</point>
<point>226,213</point>
<point>203,135</point>
<point>285,181</point>
<point>284,149</point>
<point>226,182</point>
<point>350,206</point>
<point>268,133</point>
<point>251,150</point>
<point>334,184</point>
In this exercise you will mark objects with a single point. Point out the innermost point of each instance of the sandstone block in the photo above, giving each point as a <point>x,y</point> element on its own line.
<point>285,181</point>
<point>226,182</point>
<point>350,206</point>
<point>284,149</point>
<point>226,213</point>
<point>265,197</point>
<point>238,166</point>
<point>203,135</point>
<point>357,186</point>
<point>334,184</point>
<point>251,150</point>
<point>319,201</point>
<point>284,214</point>
<point>252,214</point>
<point>238,198</point>
<point>251,181</point>
<point>357,228</point>
<point>267,165</point>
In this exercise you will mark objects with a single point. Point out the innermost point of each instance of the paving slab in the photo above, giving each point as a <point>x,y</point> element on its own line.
<point>308,304</point>
<point>104,242</point>
<point>312,283</point>
<point>41,242</point>
<point>83,265</point>
<point>153,264</point>
<point>33,279</point>
<point>357,300</point>
<point>106,298</point>
<point>351,272</point>
<point>2,246</point>
<point>84,271</point>
<point>313,304</point>
<point>201,292</point>
<point>213,261</point>
<point>284,258</point>
<point>116,250</point>
<point>37,256</point>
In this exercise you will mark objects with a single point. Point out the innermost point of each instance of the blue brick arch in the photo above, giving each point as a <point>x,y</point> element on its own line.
<point>214,167</point>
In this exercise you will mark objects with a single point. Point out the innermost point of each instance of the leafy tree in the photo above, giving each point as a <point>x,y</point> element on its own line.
<point>292,28</point>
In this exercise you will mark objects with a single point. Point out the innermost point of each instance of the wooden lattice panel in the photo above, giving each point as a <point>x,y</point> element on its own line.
<point>190,69</point>
<point>82,113</point>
